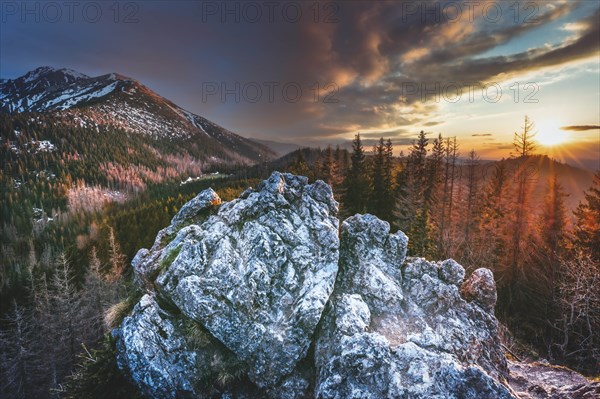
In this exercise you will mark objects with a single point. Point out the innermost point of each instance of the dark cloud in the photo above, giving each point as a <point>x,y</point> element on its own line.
<point>374,60</point>
<point>481,135</point>
<point>580,128</point>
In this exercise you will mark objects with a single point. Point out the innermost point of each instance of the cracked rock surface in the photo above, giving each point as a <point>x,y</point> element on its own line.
<point>267,296</point>
<point>398,328</point>
<point>255,273</point>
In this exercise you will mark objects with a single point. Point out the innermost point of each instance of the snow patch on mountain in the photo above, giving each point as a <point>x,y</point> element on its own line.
<point>122,102</point>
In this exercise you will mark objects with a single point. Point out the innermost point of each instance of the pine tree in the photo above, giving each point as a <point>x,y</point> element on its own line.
<point>299,166</point>
<point>434,171</point>
<point>470,219</point>
<point>389,160</point>
<point>445,220</point>
<point>412,184</point>
<point>523,142</point>
<point>494,234</point>
<point>587,225</point>
<point>552,236</point>
<point>63,302</point>
<point>96,296</point>
<point>524,177</point>
<point>356,184</point>
<point>553,224</point>
<point>519,283</point>
<point>116,258</point>
<point>413,204</point>
<point>17,354</point>
<point>381,202</point>
<point>328,170</point>
<point>404,209</point>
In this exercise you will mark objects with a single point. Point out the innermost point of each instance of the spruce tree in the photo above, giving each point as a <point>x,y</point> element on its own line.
<point>18,356</point>
<point>356,184</point>
<point>328,167</point>
<point>377,204</point>
<point>412,206</point>
<point>587,225</point>
<point>299,166</point>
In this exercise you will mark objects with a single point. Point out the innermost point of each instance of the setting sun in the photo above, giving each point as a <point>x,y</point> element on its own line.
<point>549,134</point>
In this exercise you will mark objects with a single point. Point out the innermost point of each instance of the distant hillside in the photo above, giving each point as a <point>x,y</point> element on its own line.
<point>279,148</point>
<point>573,180</point>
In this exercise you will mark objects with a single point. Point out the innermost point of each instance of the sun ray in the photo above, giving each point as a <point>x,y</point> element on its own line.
<point>550,134</point>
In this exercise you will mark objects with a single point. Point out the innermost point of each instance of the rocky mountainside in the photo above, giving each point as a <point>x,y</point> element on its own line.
<point>261,297</point>
<point>125,103</point>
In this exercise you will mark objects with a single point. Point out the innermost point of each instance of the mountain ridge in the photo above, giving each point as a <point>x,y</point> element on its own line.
<point>123,102</point>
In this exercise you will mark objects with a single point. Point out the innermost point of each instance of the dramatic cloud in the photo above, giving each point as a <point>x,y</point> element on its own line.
<point>381,67</point>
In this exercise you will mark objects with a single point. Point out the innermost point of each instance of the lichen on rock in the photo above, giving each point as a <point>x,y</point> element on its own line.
<point>399,328</point>
<point>256,273</point>
<point>261,297</point>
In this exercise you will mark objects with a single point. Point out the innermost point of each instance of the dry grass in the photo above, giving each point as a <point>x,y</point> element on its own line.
<point>114,315</point>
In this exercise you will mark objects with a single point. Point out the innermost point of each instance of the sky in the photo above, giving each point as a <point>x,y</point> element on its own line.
<point>317,73</point>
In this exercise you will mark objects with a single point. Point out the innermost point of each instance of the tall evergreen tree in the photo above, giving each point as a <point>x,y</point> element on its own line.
<point>587,226</point>
<point>525,175</point>
<point>116,258</point>
<point>494,232</point>
<point>299,166</point>
<point>552,233</point>
<point>328,167</point>
<point>519,287</point>
<point>412,209</point>
<point>471,203</point>
<point>524,141</point>
<point>553,225</point>
<point>381,202</point>
<point>356,184</point>
<point>18,356</point>
<point>447,204</point>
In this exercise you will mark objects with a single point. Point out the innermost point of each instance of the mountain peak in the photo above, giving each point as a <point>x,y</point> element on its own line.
<point>52,75</point>
<point>123,102</point>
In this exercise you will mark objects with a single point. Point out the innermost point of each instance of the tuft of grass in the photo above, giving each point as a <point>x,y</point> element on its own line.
<point>195,335</point>
<point>114,315</point>
<point>228,369</point>
<point>227,376</point>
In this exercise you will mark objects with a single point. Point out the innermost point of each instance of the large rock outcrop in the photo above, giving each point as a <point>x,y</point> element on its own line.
<point>258,297</point>
<point>254,273</point>
<point>396,329</point>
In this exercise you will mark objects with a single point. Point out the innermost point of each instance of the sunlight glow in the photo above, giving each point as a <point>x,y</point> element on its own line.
<point>549,134</point>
